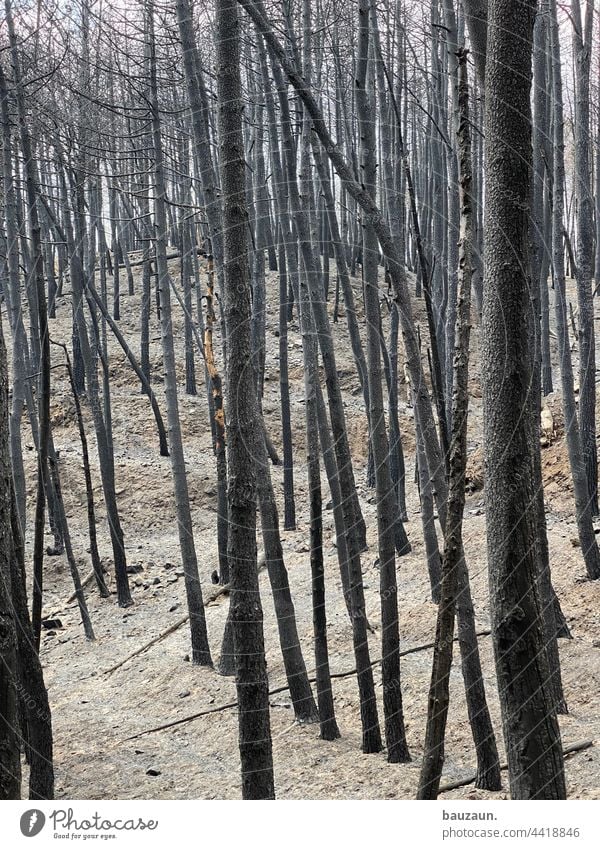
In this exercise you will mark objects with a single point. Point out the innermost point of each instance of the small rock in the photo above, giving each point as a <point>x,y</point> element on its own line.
<point>156,581</point>
<point>153,772</point>
<point>173,608</point>
<point>184,694</point>
<point>51,623</point>
<point>186,657</point>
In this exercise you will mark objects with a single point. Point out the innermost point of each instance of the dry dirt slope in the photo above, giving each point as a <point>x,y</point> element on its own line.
<point>95,713</point>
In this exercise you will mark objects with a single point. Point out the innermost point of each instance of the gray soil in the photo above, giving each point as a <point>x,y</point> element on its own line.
<point>95,714</point>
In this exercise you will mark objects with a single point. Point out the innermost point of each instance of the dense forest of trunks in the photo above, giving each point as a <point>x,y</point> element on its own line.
<point>424,147</point>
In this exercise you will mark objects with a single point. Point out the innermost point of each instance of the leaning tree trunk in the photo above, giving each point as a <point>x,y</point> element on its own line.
<point>439,692</point>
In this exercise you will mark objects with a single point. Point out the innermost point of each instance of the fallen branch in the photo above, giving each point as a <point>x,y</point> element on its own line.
<point>137,262</point>
<point>277,690</point>
<point>87,580</point>
<point>212,596</point>
<point>568,750</point>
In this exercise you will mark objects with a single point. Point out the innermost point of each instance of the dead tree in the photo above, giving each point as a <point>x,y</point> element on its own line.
<point>246,611</point>
<point>529,718</point>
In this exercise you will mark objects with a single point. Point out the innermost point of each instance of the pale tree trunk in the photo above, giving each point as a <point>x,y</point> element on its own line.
<point>582,43</point>
<point>583,513</point>
<point>199,637</point>
<point>439,691</point>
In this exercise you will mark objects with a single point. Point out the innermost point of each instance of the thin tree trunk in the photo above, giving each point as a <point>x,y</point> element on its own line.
<point>199,636</point>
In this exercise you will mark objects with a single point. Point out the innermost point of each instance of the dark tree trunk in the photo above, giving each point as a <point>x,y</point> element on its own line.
<point>10,754</point>
<point>246,611</point>
<point>529,718</point>
<point>387,509</point>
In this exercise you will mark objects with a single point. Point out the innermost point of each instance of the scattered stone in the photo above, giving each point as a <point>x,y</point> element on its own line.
<point>51,623</point>
<point>156,581</point>
<point>184,694</point>
<point>173,608</point>
<point>186,657</point>
<point>153,772</point>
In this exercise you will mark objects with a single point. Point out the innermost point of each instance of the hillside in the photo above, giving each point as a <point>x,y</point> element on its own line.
<point>95,713</point>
